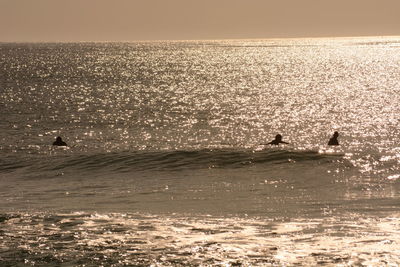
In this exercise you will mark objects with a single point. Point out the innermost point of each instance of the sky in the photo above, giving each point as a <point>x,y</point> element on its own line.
<point>131,20</point>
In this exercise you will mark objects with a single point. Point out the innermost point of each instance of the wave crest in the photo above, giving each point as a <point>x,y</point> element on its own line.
<point>167,160</point>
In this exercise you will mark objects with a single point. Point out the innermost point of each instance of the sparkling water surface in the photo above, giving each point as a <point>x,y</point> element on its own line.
<point>167,163</point>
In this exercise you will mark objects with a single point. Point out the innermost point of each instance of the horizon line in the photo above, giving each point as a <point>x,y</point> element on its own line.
<point>205,40</point>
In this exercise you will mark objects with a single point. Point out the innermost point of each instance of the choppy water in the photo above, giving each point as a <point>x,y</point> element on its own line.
<point>166,163</point>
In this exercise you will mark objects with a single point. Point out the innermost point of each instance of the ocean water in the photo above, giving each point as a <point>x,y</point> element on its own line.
<point>167,163</point>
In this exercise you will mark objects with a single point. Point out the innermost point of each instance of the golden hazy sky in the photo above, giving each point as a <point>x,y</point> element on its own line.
<point>128,20</point>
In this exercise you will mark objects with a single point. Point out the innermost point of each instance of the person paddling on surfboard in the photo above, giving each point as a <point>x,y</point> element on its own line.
<point>334,141</point>
<point>59,142</point>
<point>277,140</point>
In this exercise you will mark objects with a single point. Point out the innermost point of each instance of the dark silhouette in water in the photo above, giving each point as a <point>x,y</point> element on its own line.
<point>277,140</point>
<point>59,142</point>
<point>333,141</point>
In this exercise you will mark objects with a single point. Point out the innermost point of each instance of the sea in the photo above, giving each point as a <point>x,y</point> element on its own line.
<point>168,162</point>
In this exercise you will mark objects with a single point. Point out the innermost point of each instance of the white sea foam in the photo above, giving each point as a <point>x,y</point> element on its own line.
<point>119,239</point>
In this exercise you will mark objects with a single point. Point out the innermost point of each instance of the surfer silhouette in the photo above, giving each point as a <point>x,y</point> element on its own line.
<point>334,141</point>
<point>59,142</point>
<point>277,140</point>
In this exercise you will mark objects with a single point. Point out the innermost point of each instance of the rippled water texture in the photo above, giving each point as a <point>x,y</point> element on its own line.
<point>167,162</point>
<point>205,94</point>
